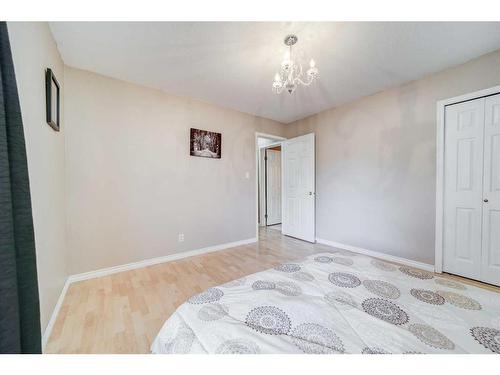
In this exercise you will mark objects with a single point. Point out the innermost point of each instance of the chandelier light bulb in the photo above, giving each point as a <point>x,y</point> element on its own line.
<point>312,63</point>
<point>277,84</point>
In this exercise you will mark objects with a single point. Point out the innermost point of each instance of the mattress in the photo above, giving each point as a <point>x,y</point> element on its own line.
<point>336,302</point>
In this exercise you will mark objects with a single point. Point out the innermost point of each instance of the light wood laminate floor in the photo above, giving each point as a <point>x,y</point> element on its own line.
<point>122,313</point>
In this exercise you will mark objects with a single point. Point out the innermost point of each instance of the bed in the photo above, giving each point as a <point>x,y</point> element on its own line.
<point>336,302</point>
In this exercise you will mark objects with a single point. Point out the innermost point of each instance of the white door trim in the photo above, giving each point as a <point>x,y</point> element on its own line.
<point>440,111</point>
<point>257,157</point>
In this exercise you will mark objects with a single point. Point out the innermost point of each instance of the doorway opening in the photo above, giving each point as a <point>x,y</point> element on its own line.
<point>285,185</point>
<point>268,181</point>
<point>270,186</point>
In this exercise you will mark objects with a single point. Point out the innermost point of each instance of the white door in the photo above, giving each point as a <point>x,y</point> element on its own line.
<point>464,132</point>
<point>298,218</point>
<point>273,186</point>
<point>491,192</point>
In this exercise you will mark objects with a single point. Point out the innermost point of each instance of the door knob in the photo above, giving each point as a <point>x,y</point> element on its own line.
<point>485,200</point>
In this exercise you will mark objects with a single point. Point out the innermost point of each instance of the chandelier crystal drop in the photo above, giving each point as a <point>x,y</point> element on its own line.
<point>291,74</point>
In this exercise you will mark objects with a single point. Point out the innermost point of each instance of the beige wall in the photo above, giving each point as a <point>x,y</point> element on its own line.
<point>34,50</point>
<point>376,162</point>
<point>132,186</point>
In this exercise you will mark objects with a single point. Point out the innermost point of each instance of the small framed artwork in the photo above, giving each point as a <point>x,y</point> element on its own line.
<point>205,144</point>
<point>52,100</point>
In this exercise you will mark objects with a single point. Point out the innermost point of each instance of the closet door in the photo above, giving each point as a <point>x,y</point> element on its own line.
<point>463,190</point>
<point>491,192</point>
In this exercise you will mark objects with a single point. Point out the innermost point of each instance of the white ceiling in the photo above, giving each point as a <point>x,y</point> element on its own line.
<point>232,64</point>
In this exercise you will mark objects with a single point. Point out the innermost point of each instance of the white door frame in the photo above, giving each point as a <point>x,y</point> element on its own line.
<point>440,110</point>
<point>257,151</point>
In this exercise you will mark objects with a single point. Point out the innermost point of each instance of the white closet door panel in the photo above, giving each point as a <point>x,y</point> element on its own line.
<point>491,208</point>
<point>464,131</point>
<point>273,187</point>
<point>292,191</point>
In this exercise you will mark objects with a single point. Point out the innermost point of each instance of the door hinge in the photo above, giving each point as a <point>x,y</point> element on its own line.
<point>265,158</point>
<point>265,216</point>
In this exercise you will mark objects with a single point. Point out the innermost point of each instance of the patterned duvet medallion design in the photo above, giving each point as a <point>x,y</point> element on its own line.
<point>313,338</point>
<point>414,272</point>
<point>287,267</point>
<point>343,261</point>
<point>268,319</point>
<point>238,346</point>
<point>382,288</point>
<point>368,350</point>
<point>182,341</point>
<point>460,300</point>
<point>488,337</point>
<point>431,336</point>
<point>344,280</point>
<point>323,259</point>
<point>427,296</point>
<point>343,299</point>
<point>383,266</point>
<point>209,295</point>
<point>385,310</point>
<point>450,284</point>
<point>212,311</point>
<point>286,288</point>
<point>263,285</point>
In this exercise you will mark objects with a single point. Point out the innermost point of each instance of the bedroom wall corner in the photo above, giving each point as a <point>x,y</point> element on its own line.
<point>34,50</point>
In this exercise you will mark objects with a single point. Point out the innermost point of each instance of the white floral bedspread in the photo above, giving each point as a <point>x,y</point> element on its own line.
<point>336,302</point>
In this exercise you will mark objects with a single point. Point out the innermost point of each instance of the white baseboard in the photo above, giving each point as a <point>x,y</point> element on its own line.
<point>55,313</point>
<point>130,266</point>
<point>376,254</point>
<point>153,261</point>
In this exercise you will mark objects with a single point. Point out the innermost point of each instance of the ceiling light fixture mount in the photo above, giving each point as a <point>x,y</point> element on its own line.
<point>291,39</point>
<point>291,74</point>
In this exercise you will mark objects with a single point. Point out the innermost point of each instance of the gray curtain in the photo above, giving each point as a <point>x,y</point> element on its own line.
<point>19,304</point>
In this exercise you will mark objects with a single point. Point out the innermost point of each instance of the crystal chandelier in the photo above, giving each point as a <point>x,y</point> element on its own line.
<point>291,74</point>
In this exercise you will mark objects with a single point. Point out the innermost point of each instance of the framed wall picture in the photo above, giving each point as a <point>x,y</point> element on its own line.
<point>52,100</point>
<point>205,144</point>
